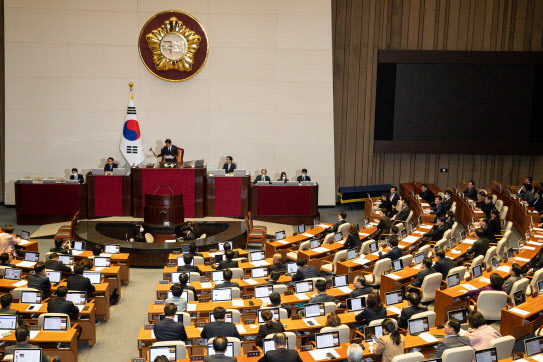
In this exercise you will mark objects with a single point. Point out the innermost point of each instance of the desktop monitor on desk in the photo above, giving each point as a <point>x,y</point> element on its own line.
<point>327,340</point>
<point>533,346</point>
<point>13,274</point>
<point>280,235</point>
<point>486,355</point>
<point>168,351</point>
<point>30,297</point>
<point>78,245</point>
<point>228,353</point>
<point>260,272</point>
<point>102,262</point>
<point>314,310</point>
<point>263,291</point>
<point>27,355</point>
<point>221,295</point>
<point>55,323</point>
<point>418,326</point>
<point>54,276</point>
<point>112,249</point>
<point>8,322</point>
<point>32,256</point>
<point>66,259</point>
<point>394,297</point>
<point>305,286</point>
<point>340,280</point>
<point>356,304</point>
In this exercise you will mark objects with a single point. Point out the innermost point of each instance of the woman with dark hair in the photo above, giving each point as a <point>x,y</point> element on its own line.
<point>353,239</point>
<point>332,320</point>
<point>496,284</point>
<point>479,333</point>
<point>374,309</point>
<point>269,327</point>
<point>413,308</point>
<point>391,344</point>
<point>283,177</point>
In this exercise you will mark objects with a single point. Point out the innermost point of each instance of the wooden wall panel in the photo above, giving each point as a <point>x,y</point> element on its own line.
<point>362,27</point>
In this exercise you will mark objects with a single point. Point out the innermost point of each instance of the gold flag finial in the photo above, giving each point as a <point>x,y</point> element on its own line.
<point>130,84</point>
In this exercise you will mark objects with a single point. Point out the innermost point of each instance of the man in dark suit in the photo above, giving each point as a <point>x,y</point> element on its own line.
<point>229,167</point>
<point>168,329</point>
<point>360,289</point>
<point>447,204</point>
<point>321,296</point>
<point>341,220</point>
<point>54,264</point>
<point>537,203</point>
<point>193,250</point>
<point>452,339</point>
<point>59,249</point>
<point>437,231</point>
<point>110,165</point>
<point>471,191</point>
<point>395,253</point>
<point>304,271</point>
<point>275,302</point>
<point>303,176</point>
<point>427,194</point>
<point>39,280</point>
<point>488,232</point>
<point>228,246</point>
<point>438,208</point>
<point>450,220</point>
<point>227,277</point>
<point>262,177</point>
<point>277,264</point>
<point>184,281</point>
<point>281,353</point>
<point>188,234</point>
<point>22,335</point>
<point>428,269</point>
<point>5,302</point>
<point>219,327</point>
<point>403,214</point>
<point>187,268</point>
<point>480,246</point>
<point>413,307</point>
<point>76,176</point>
<point>169,151</point>
<point>392,200</point>
<point>220,343</point>
<point>488,205</point>
<point>61,305</point>
<point>495,224</point>
<point>384,225</point>
<point>228,263</point>
<point>443,264</point>
<point>78,281</point>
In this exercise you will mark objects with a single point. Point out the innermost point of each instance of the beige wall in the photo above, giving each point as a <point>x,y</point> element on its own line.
<point>264,97</point>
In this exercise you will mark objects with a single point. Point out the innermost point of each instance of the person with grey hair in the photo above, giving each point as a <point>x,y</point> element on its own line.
<point>355,353</point>
<point>281,353</point>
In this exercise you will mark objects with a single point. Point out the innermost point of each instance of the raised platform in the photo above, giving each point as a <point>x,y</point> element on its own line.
<point>156,254</point>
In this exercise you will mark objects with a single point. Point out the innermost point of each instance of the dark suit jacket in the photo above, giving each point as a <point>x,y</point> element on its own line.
<point>353,241</point>
<point>489,233</point>
<point>322,298</point>
<point>229,168</point>
<point>305,272</point>
<point>369,314</point>
<point>170,330</point>
<point>450,342</point>
<point>61,251</point>
<point>537,204</point>
<point>227,264</point>
<point>11,349</point>
<point>79,282</point>
<point>436,233</point>
<point>299,178</point>
<point>190,236</point>
<point>486,208</point>
<point>394,200</point>
<point>220,357</point>
<point>57,266</point>
<point>79,177</point>
<point>447,204</point>
<point>479,247</point>
<point>261,178</point>
<point>188,268</point>
<point>428,195</point>
<point>357,292</point>
<point>449,223</point>
<point>403,214</point>
<point>384,226</point>
<point>227,285</point>
<point>281,355</point>
<point>39,282</point>
<point>443,266</point>
<point>421,275</point>
<point>285,180</point>
<point>336,226</point>
<point>265,329</point>
<point>394,254</point>
<point>20,321</point>
<point>276,267</point>
<point>408,313</point>
<point>108,168</point>
<point>438,210</point>
<point>471,193</point>
<point>174,152</point>
<point>217,328</point>
<point>189,287</point>
<point>60,305</point>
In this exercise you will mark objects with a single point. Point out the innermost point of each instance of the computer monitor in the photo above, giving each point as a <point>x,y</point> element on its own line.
<point>94,277</point>
<point>219,258</point>
<point>227,317</point>
<point>413,227</point>
<point>419,257</point>
<point>519,297</point>
<point>178,317</point>
<point>418,326</point>
<point>257,255</point>
<point>460,315</point>
<point>25,235</point>
<point>217,276</point>
<point>263,291</point>
<point>463,235</point>
<point>394,297</point>
<point>533,346</point>
<point>168,351</point>
<point>352,254</point>
<point>366,221</point>
<point>55,323</point>
<point>260,272</point>
<point>280,235</point>
<point>184,295</point>
<point>338,237</point>
<point>269,345</point>
<point>185,248</point>
<point>78,245</point>
<point>177,275</point>
<point>340,280</point>
<point>221,295</point>
<point>30,297</point>
<point>32,256</point>
<point>314,310</point>
<point>372,334</point>
<point>356,304</point>
<point>373,247</point>
<point>301,229</point>
<point>403,234</point>
<point>495,263</point>
<point>13,274</point>
<point>102,262</point>
<point>314,243</point>
<point>221,245</point>
<point>8,322</point>
<point>327,340</point>
<point>292,268</point>
<point>397,265</point>
<point>112,249</point>
<point>304,286</point>
<point>316,222</point>
<point>453,280</point>
<point>540,287</point>
<point>77,298</point>
<point>452,243</point>
<point>27,355</point>
<point>510,253</point>
<point>66,259</point>
<point>275,312</point>
<point>54,276</point>
<point>486,355</point>
<point>477,271</point>
<point>229,349</point>
<point>181,261</point>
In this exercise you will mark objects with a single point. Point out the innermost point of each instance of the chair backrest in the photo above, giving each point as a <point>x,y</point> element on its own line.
<point>453,207</point>
<point>380,267</point>
<point>185,318</point>
<point>447,235</point>
<point>457,354</point>
<point>315,279</point>
<point>149,238</point>
<point>494,198</point>
<point>236,315</point>
<point>279,288</point>
<point>340,255</point>
<point>429,314</point>
<point>236,344</point>
<point>47,255</point>
<point>328,238</point>
<point>305,245</point>
<point>408,222</point>
<point>409,357</point>
<point>503,213</point>
<point>3,270</point>
<point>504,346</point>
<point>203,236</point>
<point>17,292</point>
<point>198,260</point>
<point>365,248</point>
<point>236,292</point>
<point>477,261</point>
<point>180,348</point>
<point>344,229</point>
<point>344,332</point>
<point>426,250</point>
<point>237,273</point>
<point>441,243</point>
<point>490,303</point>
<point>190,295</point>
<point>538,275</point>
<point>454,229</point>
<point>499,205</point>
<point>461,270</point>
<point>520,284</point>
<point>41,318</point>
<point>406,260</point>
<point>490,253</point>
<point>291,339</point>
<point>378,322</point>
<point>430,285</point>
<point>329,307</point>
<point>509,225</point>
<point>194,276</point>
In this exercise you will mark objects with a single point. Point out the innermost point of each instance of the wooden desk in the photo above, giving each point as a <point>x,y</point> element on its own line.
<point>516,213</point>
<point>227,196</point>
<point>100,298</point>
<point>48,342</point>
<point>28,245</point>
<point>519,325</point>
<point>121,260</point>
<point>109,195</point>
<point>289,242</point>
<point>172,258</point>
<point>315,258</point>
<point>207,269</point>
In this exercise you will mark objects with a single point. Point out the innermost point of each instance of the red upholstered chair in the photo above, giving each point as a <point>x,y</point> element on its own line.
<point>254,236</point>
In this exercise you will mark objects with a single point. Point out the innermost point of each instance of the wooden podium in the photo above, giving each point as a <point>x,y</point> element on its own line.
<point>159,209</point>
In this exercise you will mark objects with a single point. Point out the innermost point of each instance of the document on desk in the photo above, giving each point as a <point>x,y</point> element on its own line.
<point>284,242</point>
<point>307,235</point>
<point>538,358</point>
<point>251,281</point>
<point>26,264</point>
<point>361,261</point>
<point>522,259</point>
<point>109,255</point>
<point>393,276</point>
<point>238,303</point>
<point>363,234</point>
<point>320,249</point>
<point>485,280</point>
<point>535,242</point>
<point>376,253</point>
<point>456,251</point>
<point>519,311</point>
<point>20,284</point>
<point>468,241</point>
<point>241,328</point>
<point>538,229</point>
<point>24,242</point>
<point>33,334</point>
<point>301,296</point>
<point>98,268</point>
<point>504,268</point>
<point>394,310</point>
<point>260,263</point>
<point>77,252</point>
<point>428,338</point>
<point>212,255</point>
<point>529,248</point>
<point>311,322</point>
<point>206,285</point>
<point>424,226</point>
<point>345,289</point>
<point>322,354</point>
<point>265,300</point>
<point>324,226</point>
<point>468,286</point>
<point>410,239</point>
<point>538,236</point>
<point>191,307</point>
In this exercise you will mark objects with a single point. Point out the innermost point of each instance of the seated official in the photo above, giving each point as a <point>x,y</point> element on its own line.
<point>341,220</point>
<point>449,222</point>
<point>386,204</point>
<point>488,205</point>
<point>304,271</point>
<point>39,280</point>
<point>227,247</point>
<point>360,289</point>
<point>526,181</point>
<point>515,273</point>
<point>480,199</point>
<point>227,283</point>
<point>283,177</point>
<point>184,281</point>
<point>76,176</point>
<point>374,309</point>
<point>193,250</point>
<point>427,265</point>
<point>22,335</point>
<point>391,344</point>
<point>452,339</point>
<point>269,327</point>
<point>537,202</point>
<point>395,253</point>
<point>355,353</point>
<point>110,165</point>
<point>8,241</point>
<point>5,302</point>
<point>96,250</point>
<point>60,248</point>
<point>229,167</point>
<point>139,236</point>
<point>437,231</point>
<point>448,201</point>
<point>274,278</point>
<point>61,305</point>
<point>188,234</point>
<point>87,263</point>
<point>303,176</point>
<point>262,177</point>
<point>526,193</point>
<point>403,214</point>
<point>479,333</point>
<point>413,307</point>
<point>169,151</point>
<point>471,191</point>
<point>438,210</point>
<point>187,268</point>
<point>54,264</point>
<point>5,260</point>
<point>427,194</point>
<point>495,223</point>
<point>220,344</point>
<point>443,264</point>
<point>480,246</point>
<point>78,281</point>
<point>229,262</point>
<point>275,302</point>
<point>281,353</point>
<point>384,225</point>
<point>168,329</point>
<point>177,299</point>
<point>488,233</point>
<point>277,264</point>
<point>321,296</point>
<point>219,327</point>
<point>353,239</point>
<point>496,284</point>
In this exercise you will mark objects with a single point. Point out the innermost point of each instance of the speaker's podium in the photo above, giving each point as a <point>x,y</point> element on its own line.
<point>161,209</point>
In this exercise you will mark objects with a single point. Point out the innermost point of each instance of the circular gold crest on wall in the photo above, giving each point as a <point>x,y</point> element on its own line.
<point>173,45</point>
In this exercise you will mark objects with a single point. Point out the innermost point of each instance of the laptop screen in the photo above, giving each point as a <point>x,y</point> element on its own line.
<point>257,255</point>
<point>275,312</point>
<point>229,350</point>
<point>181,261</point>
<point>371,332</point>
<point>177,275</point>
<point>403,234</point>
<point>314,310</point>
<point>280,235</point>
<point>156,351</point>
<point>477,271</point>
<point>419,325</point>
<point>292,268</point>
<point>78,245</point>
<point>55,323</point>
<point>13,274</point>
<point>519,297</point>
<point>259,272</point>
<point>460,315</point>
<point>397,265</point>
<point>8,322</point>
<point>316,222</point>
<point>304,286</point>
<point>263,291</point>
<point>25,235</point>
<point>185,249</point>
<point>315,243</point>
<point>66,259</point>
<point>301,229</point>
<point>221,245</point>
<point>495,263</point>
<point>27,355</point>
<point>112,249</point>
<point>394,297</point>
<point>32,256</point>
<point>366,221</point>
<point>54,276</point>
<point>102,262</point>
<point>418,258</point>
<point>413,227</point>
<point>217,276</point>
<point>452,243</point>
<point>269,345</point>
<point>486,355</point>
<point>356,304</point>
<point>373,247</point>
<point>352,254</point>
<point>178,317</point>
<point>30,297</point>
<point>227,317</point>
<point>340,281</point>
<point>327,340</point>
<point>540,286</point>
<point>77,298</point>
<point>184,295</point>
<point>453,280</point>
<point>338,237</point>
<point>95,277</point>
<point>533,346</point>
<point>463,235</point>
<point>221,295</point>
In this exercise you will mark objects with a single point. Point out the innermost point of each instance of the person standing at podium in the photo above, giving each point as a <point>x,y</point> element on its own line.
<point>110,165</point>
<point>169,151</point>
<point>229,167</point>
<point>262,177</point>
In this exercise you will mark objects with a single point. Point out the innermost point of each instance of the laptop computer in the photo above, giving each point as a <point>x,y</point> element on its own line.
<point>495,263</point>
<point>228,353</point>
<point>257,255</point>
<point>453,280</point>
<point>463,235</point>
<point>519,297</point>
<point>397,265</point>
<point>157,351</point>
<point>218,258</point>
<point>352,254</point>
<point>477,271</point>
<point>419,257</point>
<point>55,323</point>
<point>292,268</point>
<point>102,261</point>
<point>227,317</point>
<point>486,355</point>
<point>260,272</point>
<point>418,326</point>
<point>112,249</point>
<point>66,259</point>
<point>217,276</point>
<point>269,345</point>
<point>79,299</point>
<point>373,247</point>
<point>356,304</point>
<point>95,172</point>
<point>221,295</point>
<point>262,183</point>
<point>30,297</point>
<point>25,235</point>
<point>94,277</point>
<point>72,182</point>
<point>8,322</point>
<point>219,172</point>
<point>460,315</point>
<point>314,310</point>
<point>413,227</point>
<point>304,286</point>
<point>27,355</point>
<point>13,274</point>
<point>452,243</point>
<point>181,261</point>
<point>198,163</point>
<point>533,346</point>
<point>278,183</point>
<point>327,340</point>
<point>394,297</point>
<point>263,291</point>
<point>178,317</point>
<point>540,287</point>
<point>340,281</point>
<point>338,237</point>
<point>54,276</point>
<point>240,172</point>
<point>291,183</point>
<point>221,245</point>
<point>275,312</point>
<point>308,183</point>
<point>119,171</point>
<point>403,234</point>
<point>187,164</point>
<point>280,235</point>
<point>32,256</point>
<point>78,245</point>
<point>314,243</point>
<point>301,229</point>
<point>316,222</point>
<point>372,334</point>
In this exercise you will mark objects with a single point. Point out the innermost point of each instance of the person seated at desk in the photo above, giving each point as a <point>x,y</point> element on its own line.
<point>480,246</point>
<point>283,177</point>
<point>22,335</point>
<point>488,205</point>
<point>395,252</point>
<point>54,264</point>
<point>427,194</point>
<point>386,205</point>
<point>413,307</point>
<point>76,176</point>
<point>39,280</point>
<point>495,223</point>
<point>262,177</point>
<point>274,278</point>
<point>303,176</point>
<point>403,214</point>
<point>227,283</point>
<point>109,166</point>
<point>480,199</point>
<point>391,344</point>
<point>188,234</point>
<point>496,284</point>
<point>228,246</point>
<point>281,353</point>
<point>471,191</point>
<point>168,329</point>
<point>438,210</point>
<point>229,167</point>
<point>177,299</point>
<point>452,339</point>
<point>219,327</point>
<point>526,181</point>
<point>374,309</point>
<point>78,281</point>
<point>61,248</point>
<point>269,327</point>
<point>8,241</point>
<point>448,202</point>
<point>275,302</point>
<point>321,296</point>
<point>355,353</point>
<point>341,220</point>
<point>229,262</point>
<point>383,242</point>
<point>488,233</point>
<point>220,344</point>
<point>188,267</point>
<point>353,239</point>
<point>5,302</point>
<point>193,250</point>
<point>515,273</point>
<point>169,151</point>
<point>304,271</point>
<point>537,202</point>
<point>443,264</point>
<point>5,260</point>
<point>527,194</point>
<point>427,265</point>
<point>277,264</point>
<point>96,250</point>
<point>479,333</point>
<point>437,231</point>
<point>184,281</point>
<point>139,236</point>
<point>61,305</point>
<point>87,263</point>
<point>449,222</point>
<point>360,289</point>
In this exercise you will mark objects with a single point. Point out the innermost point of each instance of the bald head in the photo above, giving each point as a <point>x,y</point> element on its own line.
<point>277,258</point>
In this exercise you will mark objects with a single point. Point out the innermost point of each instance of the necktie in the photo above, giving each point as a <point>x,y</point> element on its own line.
<point>169,149</point>
<point>303,178</point>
